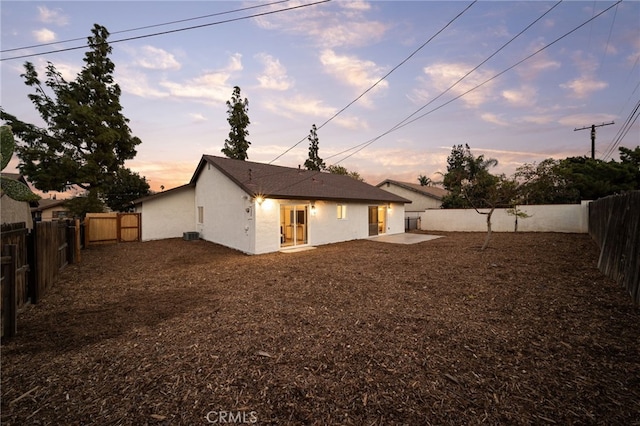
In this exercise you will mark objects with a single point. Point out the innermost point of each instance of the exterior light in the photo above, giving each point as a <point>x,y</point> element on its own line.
<point>259,199</point>
<point>313,210</point>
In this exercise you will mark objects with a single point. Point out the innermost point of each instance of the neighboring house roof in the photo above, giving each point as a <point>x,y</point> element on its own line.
<point>163,193</point>
<point>429,191</point>
<point>45,204</point>
<point>15,176</point>
<point>290,183</point>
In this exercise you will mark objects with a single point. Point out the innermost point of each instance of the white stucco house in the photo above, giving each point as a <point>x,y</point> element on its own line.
<point>422,197</point>
<point>261,208</point>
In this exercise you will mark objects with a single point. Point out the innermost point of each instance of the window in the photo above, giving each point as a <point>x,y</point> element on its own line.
<point>200,214</point>
<point>342,211</point>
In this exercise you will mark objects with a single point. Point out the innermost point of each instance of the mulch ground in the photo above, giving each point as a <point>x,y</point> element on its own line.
<point>180,332</point>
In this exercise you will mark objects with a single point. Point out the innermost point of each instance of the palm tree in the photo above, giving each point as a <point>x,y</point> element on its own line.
<point>424,181</point>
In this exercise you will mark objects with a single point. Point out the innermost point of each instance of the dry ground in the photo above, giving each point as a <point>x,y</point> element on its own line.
<point>362,332</point>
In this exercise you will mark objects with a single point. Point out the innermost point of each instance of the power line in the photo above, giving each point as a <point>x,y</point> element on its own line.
<point>365,144</point>
<point>400,124</point>
<point>623,131</point>
<point>35,46</point>
<point>380,80</point>
<point>480,64</point>
<point>606,47</point>
<point>174,31</point>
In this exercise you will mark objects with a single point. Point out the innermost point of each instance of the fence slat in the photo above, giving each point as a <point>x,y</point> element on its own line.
<point>614,223</point>
<point>9,296</point>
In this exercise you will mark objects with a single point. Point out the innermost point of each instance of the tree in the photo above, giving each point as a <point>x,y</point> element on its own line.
<point>593,179</point>
<point>14,189</point>
<point>424,181</point>
<point>491,192</point>
<point>126,187</point>
<point>471,185</point>
<point>237,145</point>
<point>314,162</point>
<point>86,139</point>
<point>339,170</point>
<point>83,204</point>
<point>630,156</point>
<point>542,183</point>
<point>463,166</point>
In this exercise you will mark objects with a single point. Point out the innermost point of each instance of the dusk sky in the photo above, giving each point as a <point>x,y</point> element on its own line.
<point>301,66</point>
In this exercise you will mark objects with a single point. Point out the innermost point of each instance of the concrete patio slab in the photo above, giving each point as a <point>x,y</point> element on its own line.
<point>296,249</point>
<point>406,238</point>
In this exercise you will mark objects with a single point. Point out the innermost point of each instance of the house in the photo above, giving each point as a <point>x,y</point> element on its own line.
<point>261,208</point>
<point>49,209</point>
<point>422,197</point>
<point>12,211</point>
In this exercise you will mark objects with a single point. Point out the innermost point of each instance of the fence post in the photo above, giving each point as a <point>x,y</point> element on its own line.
<point>71,244</point>
<point>10,324</point>
<point>77,242</point>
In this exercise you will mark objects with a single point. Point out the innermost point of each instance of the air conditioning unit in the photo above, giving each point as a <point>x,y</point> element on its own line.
<point>191,236</point>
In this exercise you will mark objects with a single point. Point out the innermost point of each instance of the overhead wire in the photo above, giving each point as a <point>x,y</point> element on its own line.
<point>380,80</point>
<point>606,47</point>
<point>466,75</point>
<point>226,21</point>
<point>363,145</point>
<point>623,131</point>
<point>35,46</point>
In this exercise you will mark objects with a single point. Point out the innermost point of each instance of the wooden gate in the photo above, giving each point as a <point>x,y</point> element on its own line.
<point>105,228</point>
<point>17,234</point>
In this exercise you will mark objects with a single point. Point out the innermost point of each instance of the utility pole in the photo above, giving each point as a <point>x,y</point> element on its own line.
<point>593,136</point>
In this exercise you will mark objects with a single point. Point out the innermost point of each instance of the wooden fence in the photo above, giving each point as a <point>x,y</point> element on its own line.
<point>54,248</point>
<point>17,234</point>
<point>31,262</point>
<point>614,223</point>
<point>104,228</point>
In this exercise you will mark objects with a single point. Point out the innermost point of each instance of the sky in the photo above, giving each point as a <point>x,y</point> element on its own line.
<point>304,65</point>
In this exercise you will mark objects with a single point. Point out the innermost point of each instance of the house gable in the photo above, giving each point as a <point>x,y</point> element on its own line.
<point>422,197</point>
<point>167,214</point>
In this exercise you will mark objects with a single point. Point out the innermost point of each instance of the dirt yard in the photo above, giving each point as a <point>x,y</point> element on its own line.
<point>365,333</point>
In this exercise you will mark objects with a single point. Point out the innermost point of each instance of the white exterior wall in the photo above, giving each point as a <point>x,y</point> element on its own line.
<point>13,211</point>
<point>267,218</point>
<point>168,216</point>
<point>324,227</point>
<point>395,218</point>
<point>226,220</point>
<point>572,218</point>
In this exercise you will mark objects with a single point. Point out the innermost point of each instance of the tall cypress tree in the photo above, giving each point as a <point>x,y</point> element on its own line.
<point>87,138</point>
<point>314,162</point>
<point>237,145</point>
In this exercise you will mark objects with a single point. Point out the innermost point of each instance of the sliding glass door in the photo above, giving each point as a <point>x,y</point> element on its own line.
<point>293,225</point>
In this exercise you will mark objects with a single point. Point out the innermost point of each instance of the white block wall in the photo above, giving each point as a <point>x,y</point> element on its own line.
<point>571,218</point>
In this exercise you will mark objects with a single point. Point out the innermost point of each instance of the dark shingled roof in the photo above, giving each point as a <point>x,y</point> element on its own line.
<point>163,193</point>
<point>285,182</point>
<point>429,191</point>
